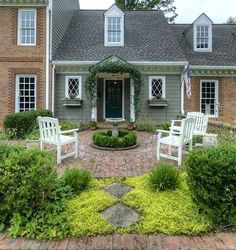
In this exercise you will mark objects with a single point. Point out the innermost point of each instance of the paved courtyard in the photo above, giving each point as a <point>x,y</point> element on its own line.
<point>114,163</point>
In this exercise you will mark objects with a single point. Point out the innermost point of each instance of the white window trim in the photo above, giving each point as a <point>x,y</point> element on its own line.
<point>119,14</point>
<point>17,103</point>
<point>18,27</point>
<point>163,78</point>
<point>80,86</point>
<point>216,93</point>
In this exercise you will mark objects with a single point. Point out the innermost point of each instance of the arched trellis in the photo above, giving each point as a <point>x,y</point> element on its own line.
<point>113,65</point>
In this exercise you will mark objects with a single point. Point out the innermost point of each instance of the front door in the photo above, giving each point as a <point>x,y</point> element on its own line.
<point>209,97</point>
<point>113,103</point>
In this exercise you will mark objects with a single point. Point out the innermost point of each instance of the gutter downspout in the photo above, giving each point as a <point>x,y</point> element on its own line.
<point>182,90</point>
<point>53,89</point>
<point>48,12</point>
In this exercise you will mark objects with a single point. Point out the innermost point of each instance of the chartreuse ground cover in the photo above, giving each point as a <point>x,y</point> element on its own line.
<point>169,212</point>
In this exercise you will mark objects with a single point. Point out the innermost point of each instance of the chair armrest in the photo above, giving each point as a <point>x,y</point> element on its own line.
<point>168,132</point>
<point>176,120</point>
<point>69,131</point>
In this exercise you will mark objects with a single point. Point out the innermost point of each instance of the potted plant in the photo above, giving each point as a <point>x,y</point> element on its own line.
<point>93,125</point>
<point>130,126</point>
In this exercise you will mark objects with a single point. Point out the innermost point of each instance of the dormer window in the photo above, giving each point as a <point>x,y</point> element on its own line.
<point>114,27</point>
<point>203,34</point>
<point>202,37</point>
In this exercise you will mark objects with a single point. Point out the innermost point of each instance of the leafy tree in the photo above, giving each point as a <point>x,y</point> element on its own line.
<point>165,5</point>
<point>231,20</point>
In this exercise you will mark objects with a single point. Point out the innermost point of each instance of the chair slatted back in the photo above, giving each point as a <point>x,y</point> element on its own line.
<point>201,122</point>
<point>186,131</point>
<point>49,128</point>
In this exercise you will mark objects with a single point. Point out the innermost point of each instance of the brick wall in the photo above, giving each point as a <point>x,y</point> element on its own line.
<point>20,59</point>
<point>227,97</point>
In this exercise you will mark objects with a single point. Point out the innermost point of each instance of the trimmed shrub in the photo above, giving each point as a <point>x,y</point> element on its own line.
<point>105,139</point>
<point>165,125</point>
<point>212,181</point>
<point>26,177</point>
<point>164,177</point>
<point>77,179</point>
<point>68,125</point>
<point>147,125</point>
<point>18,125</point>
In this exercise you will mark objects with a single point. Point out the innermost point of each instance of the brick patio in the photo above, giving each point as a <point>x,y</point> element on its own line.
<point>129,242</point>
<point>102,163</point>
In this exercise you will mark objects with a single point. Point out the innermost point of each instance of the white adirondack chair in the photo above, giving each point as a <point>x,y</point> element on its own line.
<point>50,133</point>
<point>176,139</point>
<point>200,125</point>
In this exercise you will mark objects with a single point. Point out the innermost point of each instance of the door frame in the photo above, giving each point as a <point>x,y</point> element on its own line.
<point>216,93</point>
<point>104,95</point>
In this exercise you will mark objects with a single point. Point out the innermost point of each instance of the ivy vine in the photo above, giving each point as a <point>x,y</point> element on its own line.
<point>113,66</point>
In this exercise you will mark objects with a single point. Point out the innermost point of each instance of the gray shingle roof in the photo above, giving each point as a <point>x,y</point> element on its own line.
<point>148,37</point>
<point>223,46</point>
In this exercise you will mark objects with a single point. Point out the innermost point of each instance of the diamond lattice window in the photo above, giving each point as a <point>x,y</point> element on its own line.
<point>73,88</point>
<point>157,88</point>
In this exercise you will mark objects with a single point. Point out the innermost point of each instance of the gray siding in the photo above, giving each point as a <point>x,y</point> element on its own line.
<point>173,94</point>
<point>159,114</point>
<point>62,12</point>
<point>70,113</point>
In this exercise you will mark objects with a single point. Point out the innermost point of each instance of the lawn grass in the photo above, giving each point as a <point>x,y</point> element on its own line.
<point>169,212</point>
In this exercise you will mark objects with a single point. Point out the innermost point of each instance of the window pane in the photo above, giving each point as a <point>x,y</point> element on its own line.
<point>73,88</point>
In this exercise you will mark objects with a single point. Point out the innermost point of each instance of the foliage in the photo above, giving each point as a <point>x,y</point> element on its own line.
<point>92,123</point>
<point>105,139</point>
<point>164,177</point>
<point>68,125</point>
<point>49,221</point>
<point>225,134</point>
<point>146,124</point>
<point>166,6</point>
<point>165,125</point>
<point>169,212</point>
<point>231,20</point>
<point>113,66</point>
<point>212,181</point>
<point>77,179</point>
<point>197,139</point>
<point>26,178</point>
<point>18,125</point>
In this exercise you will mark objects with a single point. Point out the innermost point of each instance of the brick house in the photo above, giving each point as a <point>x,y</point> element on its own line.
<point>48,46</point>
<point>30,31</point>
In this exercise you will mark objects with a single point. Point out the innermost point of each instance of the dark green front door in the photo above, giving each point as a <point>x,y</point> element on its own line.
<point>113,105</point>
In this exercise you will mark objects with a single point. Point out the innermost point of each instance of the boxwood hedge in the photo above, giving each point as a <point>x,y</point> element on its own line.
<point>105,139</point>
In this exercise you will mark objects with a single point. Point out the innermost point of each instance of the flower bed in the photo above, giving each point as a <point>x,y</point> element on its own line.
<point>105,139</point>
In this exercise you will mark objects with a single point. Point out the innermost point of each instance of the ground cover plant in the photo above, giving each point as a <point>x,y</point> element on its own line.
<point>146,124</point>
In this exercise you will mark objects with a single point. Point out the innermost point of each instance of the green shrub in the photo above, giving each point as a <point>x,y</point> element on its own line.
<point>77,179</point>
<point>212,181</point>
<point>165,125</point>
<point>164,177</point>
<point>68,125</point>
<point>18,125</point>
<point>147,125</point>
<point>105,139</point>
<point>197,139</point>
<point>26,178</point>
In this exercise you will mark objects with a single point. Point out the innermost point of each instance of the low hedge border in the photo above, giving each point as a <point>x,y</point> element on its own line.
<point>106,140</point>
<point>114,149</point>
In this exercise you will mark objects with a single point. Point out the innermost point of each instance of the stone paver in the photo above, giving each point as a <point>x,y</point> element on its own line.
<point>102,163</point>
<point>117,189</point>
<point>120,215</point>
<point>221,241</point>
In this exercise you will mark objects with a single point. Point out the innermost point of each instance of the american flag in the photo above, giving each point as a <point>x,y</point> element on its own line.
<point>187,81</point>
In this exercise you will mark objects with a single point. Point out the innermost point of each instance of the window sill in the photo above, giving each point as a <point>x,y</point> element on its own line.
<point>158,103</point>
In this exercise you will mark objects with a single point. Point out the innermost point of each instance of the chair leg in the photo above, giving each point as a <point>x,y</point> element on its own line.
<point>179,155</point>
<point>191,145</point>
<point>76,146</point>
<point>41,144</point>
<point>58,154</point>
<point>158,150</point>
<point>169,150</point>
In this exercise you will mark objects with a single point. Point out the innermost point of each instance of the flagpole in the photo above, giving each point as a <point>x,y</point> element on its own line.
<point>182,90</point>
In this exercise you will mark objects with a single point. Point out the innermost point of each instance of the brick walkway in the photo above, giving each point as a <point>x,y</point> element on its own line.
<point>114,163</point>
<point>146,242</point>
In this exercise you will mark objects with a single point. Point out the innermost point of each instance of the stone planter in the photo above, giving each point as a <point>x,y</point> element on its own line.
<point>158,103</point>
